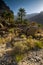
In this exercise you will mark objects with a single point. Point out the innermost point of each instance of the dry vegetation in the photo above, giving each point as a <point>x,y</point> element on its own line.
<point>20,36</point>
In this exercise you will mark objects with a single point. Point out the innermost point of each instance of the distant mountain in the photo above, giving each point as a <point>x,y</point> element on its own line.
<point>27,16</point>
<point>37,18</point>
<point>30,15</point>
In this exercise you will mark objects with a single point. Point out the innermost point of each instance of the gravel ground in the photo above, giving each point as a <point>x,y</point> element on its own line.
<point>33,58</point>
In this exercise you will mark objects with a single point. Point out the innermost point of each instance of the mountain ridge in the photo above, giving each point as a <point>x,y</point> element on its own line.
<point>38,18</point>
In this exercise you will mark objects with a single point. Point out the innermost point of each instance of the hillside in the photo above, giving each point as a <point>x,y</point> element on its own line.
<point>3,7</point>
<point>38,18</point>
<point>5,12</point>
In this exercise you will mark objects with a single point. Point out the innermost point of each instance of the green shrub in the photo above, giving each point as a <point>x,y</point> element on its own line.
<point>23,36</point>
<point>19,50</point>
<point>30,43</point>
<point>41,39</point>
<point>11,30</point>
<point>39,44</point>
<point>30,37</point>
<point>20,47</point>
<point>19,57</point>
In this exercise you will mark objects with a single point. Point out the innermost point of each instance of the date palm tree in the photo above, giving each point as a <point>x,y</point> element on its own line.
<point>21,14</point>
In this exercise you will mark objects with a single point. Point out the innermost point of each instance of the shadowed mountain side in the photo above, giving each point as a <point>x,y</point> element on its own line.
<point>38,18</point>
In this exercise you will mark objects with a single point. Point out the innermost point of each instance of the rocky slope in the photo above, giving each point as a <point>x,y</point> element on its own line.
<point>3,7</point>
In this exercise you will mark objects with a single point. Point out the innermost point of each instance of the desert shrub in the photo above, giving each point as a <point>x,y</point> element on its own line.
<point>2,40</point>
<point>37,36</point>
<point>16,33</point>
<point>11,30</point>
<point>30,37</point>
<point>23,36</point>
<point>20,47</point>
<point>30,43</point>
<point>31,31</point>
<point>38,44</point>
<point>19,50</point>
<point>41,39</point>
<point>19,57</point>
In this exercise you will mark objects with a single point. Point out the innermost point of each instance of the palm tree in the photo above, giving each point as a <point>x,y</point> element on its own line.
<point>21,14</point>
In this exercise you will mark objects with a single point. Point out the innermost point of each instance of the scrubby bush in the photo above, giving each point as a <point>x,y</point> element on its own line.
<point>2,41</point>
<point>41,39</point>
<point>20,47</point>
<point>19,50</point>
<point>19,57</point>
<point>11,30</point>
<point>30,43</point>
<point>30,37</point>
<point>38,44</point>
<point>23,36</point>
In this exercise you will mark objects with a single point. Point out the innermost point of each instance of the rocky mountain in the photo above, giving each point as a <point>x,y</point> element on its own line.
<point>3,7</point>
<point>30,15</point>
<point>38,18</point>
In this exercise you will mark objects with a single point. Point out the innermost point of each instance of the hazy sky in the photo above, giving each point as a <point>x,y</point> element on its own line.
<point>31,6</point>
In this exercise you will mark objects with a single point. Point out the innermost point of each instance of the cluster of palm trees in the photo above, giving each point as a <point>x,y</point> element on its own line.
<point>7,15</point>
<point>10,15</point>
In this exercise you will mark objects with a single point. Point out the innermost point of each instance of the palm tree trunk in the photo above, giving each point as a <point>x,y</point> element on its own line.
<point>21,17</point>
